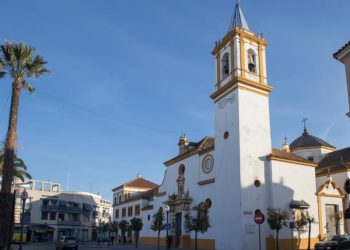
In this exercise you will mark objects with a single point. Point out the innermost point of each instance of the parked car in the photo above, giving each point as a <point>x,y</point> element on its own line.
<point>338,242</point>
<point>67,242</point>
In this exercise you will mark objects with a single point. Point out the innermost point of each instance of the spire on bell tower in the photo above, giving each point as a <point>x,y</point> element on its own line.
<point>238,19</point>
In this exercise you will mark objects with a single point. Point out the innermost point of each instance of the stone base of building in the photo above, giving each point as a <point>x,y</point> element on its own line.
<point>287,243</point>
<point>185,242</point>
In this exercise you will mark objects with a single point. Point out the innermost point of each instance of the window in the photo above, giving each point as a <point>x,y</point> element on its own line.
<point>124,212</point>
<point>129,211</point>
<point>45,202</point>
<point>52,216</point>
<point>137,210</point>
<point>117,213</point>
<point>310,158</point>
<point>115,200</point>
<point>44,215</point>
<point>38,185</point>
<point>120,198</point>
<point>225,65</point>
<point>47,187</point>
<point>61,217</point>
<point>251,61</point>
<point>55,188</point>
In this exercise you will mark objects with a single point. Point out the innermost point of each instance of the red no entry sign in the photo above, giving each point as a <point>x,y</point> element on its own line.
<point>259,217</point>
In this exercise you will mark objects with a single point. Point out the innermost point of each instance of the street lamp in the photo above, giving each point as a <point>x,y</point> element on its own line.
<point>167,210</point>
<point>24,196</point>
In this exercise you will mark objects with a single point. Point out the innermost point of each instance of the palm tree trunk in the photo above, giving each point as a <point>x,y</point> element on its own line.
<point>277,245</point>
<point>195,240</point>
<point>8,172</point>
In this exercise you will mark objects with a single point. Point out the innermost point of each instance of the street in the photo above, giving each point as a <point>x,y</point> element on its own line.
<point>85,246</point>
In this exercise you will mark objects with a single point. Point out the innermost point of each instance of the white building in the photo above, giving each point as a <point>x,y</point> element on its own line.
<point>50,213</point>
<point>236,171</point>
<point>343,55</point>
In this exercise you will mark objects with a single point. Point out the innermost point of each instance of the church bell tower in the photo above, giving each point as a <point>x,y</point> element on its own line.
<point>242,130</point>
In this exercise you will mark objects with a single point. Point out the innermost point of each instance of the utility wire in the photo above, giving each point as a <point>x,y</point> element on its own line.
<point>106,116</point>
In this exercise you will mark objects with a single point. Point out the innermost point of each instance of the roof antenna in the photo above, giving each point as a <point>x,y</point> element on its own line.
<point>304,121</point>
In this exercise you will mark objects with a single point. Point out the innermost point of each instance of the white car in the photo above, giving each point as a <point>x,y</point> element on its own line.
<point>67,242</point>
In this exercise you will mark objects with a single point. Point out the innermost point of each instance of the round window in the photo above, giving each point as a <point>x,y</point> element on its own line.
<point>208,164</point>
<point>226,135</point>
<point>257,183</point>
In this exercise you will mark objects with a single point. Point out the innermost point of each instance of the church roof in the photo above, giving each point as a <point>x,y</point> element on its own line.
<point>139,182</point>
<point>307,140</point>
<point>339,159</point>
<point>288,156</point>
<point>201,147</point>
<point>238,19</point>
<point>336,54</point>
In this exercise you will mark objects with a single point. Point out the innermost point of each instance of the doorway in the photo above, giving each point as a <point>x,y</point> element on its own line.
<point>178,229</point>
<point>332,224</point>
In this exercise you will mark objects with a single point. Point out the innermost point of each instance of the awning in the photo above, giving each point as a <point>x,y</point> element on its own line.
<point>87,207</point>
<point>299,204</point>
<point>41,228</point>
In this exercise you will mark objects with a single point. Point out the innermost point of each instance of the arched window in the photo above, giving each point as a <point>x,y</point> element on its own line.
<point>225,65</point>
<point>251,61</point>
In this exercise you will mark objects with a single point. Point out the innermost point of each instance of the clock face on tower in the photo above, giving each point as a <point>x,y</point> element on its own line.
<point>208,164</point>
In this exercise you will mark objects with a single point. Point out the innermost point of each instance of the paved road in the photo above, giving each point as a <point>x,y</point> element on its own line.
<point>86,246</point>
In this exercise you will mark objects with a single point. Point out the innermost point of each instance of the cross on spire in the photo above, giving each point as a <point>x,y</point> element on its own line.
<point>238,19</point>
<point>304,121</point>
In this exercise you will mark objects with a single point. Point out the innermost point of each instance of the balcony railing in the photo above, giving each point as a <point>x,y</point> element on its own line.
<point>49,208</point>
<point>74,209</point>
<point>68,222</point>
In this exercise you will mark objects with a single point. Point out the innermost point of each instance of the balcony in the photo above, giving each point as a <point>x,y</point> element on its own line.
<point>49,208</point>
<point>74,210</point>
<point>68,222</point>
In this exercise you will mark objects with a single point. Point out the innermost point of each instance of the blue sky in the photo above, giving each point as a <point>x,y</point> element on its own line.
<point>128,77</point>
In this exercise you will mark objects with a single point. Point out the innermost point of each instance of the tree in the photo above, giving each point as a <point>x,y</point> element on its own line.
<point>300,223</point>
<point>20,168</point>
<point>123,226</point>
<point>19,61</point>
<point>199,223</point>
<point>136,226</point>
<point>310,220</point>
<point>276,218</point>
<point>114,227</point>
<point>158,223</point>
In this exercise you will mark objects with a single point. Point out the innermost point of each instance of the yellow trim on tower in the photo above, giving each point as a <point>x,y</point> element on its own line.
<point>218,70</point>
<point>313,147</point>
<point>232,57</point>
<point>242,54</point>
<point>261,63</point>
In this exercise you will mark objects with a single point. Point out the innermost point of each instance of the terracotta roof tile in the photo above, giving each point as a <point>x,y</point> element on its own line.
<point>288,156</point>
<point>139,183</point>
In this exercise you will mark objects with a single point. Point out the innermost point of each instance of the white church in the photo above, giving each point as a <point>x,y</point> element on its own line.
<point>236,171</point>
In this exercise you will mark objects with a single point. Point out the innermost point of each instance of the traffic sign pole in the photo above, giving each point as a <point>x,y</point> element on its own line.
<point>259,219</point>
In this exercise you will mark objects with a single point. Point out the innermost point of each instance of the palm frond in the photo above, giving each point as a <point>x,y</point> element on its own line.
<point>2,66</point>
<point>8,53</point>
<point>22,175</point>
<point>28,87</point>
<point>36,68</point>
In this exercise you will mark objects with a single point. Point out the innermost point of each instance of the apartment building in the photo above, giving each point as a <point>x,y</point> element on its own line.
<point>50,212</point>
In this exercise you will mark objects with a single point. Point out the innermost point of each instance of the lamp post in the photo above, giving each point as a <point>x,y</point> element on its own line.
<point>24,196</point>
<point>167,210</point>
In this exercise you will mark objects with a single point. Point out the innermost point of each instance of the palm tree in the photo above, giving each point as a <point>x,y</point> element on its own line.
<point>20,168</point>
<point>20,63</point>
